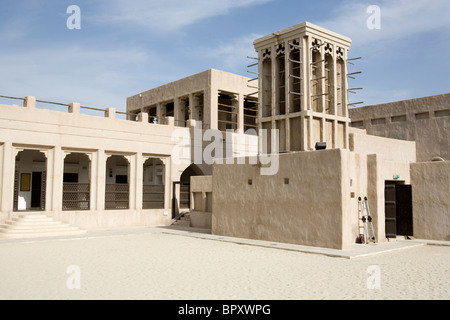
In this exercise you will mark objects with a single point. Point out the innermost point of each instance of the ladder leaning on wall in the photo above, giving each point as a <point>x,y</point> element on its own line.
<point>366,219</point>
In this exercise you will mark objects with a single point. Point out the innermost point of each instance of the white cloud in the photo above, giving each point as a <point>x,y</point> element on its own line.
<point>167,15</point>
<point>399,19</point>
<point>232,55</point>
<point>95,77</point>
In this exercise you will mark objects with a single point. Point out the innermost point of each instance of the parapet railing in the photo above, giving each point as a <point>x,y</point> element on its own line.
<point>30,102</point>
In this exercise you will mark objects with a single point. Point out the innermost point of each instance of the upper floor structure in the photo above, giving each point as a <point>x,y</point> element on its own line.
<point>217,99</point>
<point>303,86</point>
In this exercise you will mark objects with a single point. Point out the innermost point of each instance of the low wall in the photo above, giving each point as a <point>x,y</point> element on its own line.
<point>304,203</point>
<point>390,149</point>
<point>201,202</point>
<point>431,200</point>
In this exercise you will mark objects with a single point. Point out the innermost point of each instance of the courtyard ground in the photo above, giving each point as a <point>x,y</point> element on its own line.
<point>170,264</point>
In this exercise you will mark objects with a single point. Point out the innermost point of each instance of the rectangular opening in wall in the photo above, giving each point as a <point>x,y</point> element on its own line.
<point>317,130</point>
<point>227,112</point>
<point>357,124</point>
<point>329,84</point>
<point>183,115</point>
<point>422,115</point>
<point>316,82</point>
<point>401,118</point>
<point>341,135</point>
<point>441,113</point>
<point>295,133</point>
<point>198,107</point>
<point>281,127</point>
<point>266,138</point>
<point>208,202</point>
<point>295,81</point>
<point>152,114</point>
<point>70,177</point>
<point>329,135</point>
<point>250,116</point>
<point>281,85</point>
<point>340,88</point>
<point>121,179</point>
<point>169,109</point>
<point>378,121</point>
<point>267,88</point>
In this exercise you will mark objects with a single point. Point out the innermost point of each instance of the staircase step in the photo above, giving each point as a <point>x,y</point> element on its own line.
<point>32,215</point>
<point>183,223</point>
<point>41,234</point>
<point>54,225</point>
<point>38,229</point>
<point>32,225</point>
<point>20,221</point>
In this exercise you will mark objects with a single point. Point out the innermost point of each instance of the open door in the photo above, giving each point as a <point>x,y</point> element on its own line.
<point>404,220</point>
<point>398,210</point>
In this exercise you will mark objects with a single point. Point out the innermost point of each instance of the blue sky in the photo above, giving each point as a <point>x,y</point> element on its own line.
<point>125,47</point>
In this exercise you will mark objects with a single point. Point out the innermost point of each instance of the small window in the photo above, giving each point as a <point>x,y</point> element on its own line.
<point>357,124</point>
<point>378,121</point>
<point>70,177</point>
<point>286,181</point>
<point>250,182</point>
<point>423,115</point>
<point>121,179</point>
<point>442,113</point>
<point>399,118</point>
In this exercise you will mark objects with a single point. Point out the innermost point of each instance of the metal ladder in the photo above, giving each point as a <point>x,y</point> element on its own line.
<point>367,220</point>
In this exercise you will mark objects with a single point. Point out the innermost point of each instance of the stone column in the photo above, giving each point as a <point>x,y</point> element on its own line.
<point>29,102</point>
<point>7,185</point>
<point>211,108</point>
<point>159,113</point>
<point>240,123</point>
<point>57,179</point>
<point>177,112</point>
<point>50,173</point>
<point>110,113</point>
<point>74,107</point>
<point>132,167</point>
<point>100,179</point>
<point>93,181</point>
<point>143,117</point>
<point>139,180</point>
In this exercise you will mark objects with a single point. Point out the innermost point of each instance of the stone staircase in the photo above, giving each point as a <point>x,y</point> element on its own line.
<point>183,220</point>
<point>33,225</point>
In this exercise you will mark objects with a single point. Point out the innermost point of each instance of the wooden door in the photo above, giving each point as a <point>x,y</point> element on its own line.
<point>390,210</point>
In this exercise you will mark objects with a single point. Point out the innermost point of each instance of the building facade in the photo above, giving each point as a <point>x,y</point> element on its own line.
<point>194,145</point>
<point>313,198</point>
<point>105,172</point>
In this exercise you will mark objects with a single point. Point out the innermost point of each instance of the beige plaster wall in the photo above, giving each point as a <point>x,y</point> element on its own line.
<point>56,133</point>
<point>424,120</point>
<point>310,210</point>
<point>201,202</point>
<point>391,149</point>
<point>431,200</point>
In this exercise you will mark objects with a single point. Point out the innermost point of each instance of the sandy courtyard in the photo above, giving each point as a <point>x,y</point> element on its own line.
<point>156,265</point>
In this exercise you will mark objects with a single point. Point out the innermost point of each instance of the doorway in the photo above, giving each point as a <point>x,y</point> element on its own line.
<point>30,180</point>
<point>36,190</point>
<point>398,209</point>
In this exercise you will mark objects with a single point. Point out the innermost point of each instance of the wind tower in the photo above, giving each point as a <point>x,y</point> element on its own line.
<point>302,79</point>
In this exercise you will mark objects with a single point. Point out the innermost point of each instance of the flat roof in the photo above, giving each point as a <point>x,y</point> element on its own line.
<point>304,26</point>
